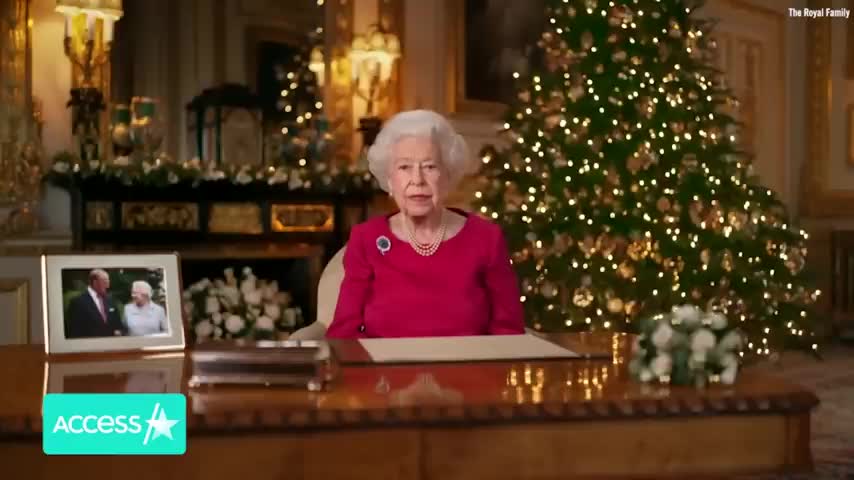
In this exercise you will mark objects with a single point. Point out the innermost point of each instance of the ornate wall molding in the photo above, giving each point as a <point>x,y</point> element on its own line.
<point>338,88</point>
<point>818,199</point>
<point>19,289</point>
<point>391,17</point>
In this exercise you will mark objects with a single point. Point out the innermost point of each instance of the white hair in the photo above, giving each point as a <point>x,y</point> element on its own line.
<point>424,124</point>
<point>142,287</point>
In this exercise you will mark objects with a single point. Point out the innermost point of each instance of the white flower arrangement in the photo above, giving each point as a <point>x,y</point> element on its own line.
<point>249,308</point>
<point>686,347</point>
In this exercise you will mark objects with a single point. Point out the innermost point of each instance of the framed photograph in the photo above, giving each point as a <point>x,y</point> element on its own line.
<point>96,303</point>
<point>491,40</point>
<point>155,374</point>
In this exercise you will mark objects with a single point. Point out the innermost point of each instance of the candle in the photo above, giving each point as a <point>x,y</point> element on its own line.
<point>90,27</point>
<point>108,30</point>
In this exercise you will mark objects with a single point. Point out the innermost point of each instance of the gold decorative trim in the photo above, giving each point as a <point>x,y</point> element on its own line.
<point>176,216</point>
<point>338,87</point>
<point>391,15</point>
<point>817,198</point>
<point>302,218</point>
<point>20,288</point>
<point>99,215</point>
<point>242,218</point>
<point>457,102</point>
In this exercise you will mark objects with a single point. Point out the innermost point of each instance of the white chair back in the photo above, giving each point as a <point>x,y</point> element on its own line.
<point>328,289</point>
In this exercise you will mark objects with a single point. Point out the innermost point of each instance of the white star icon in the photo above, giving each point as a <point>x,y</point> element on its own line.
<point>160,424</point>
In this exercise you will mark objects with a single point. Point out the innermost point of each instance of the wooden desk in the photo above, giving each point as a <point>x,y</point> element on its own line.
<point>513,420</point>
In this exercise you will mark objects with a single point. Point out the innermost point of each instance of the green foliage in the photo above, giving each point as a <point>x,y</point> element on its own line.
<point>624,191</point>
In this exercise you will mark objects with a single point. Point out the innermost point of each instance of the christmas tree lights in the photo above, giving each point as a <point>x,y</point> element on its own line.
<point>623,191</point>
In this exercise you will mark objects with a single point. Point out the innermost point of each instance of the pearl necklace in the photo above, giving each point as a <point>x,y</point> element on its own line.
<point>426,249</point>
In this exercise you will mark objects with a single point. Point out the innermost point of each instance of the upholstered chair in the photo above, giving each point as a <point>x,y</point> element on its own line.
<point>327,299</point>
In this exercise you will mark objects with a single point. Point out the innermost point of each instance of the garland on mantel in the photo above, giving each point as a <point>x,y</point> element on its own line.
<point>68,171</point>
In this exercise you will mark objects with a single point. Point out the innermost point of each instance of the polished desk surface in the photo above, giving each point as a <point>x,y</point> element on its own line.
<point>366,395</point>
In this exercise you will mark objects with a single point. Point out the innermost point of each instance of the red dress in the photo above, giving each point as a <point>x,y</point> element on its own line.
<point>468,287</point>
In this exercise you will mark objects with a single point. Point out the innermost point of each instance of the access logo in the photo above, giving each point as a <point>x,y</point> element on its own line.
<point>114,424</point>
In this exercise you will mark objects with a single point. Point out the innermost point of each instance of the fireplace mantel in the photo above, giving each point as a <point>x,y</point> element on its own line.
<point>219,222</point>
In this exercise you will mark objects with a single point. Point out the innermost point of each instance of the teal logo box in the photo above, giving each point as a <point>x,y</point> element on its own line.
<point>114,424</point>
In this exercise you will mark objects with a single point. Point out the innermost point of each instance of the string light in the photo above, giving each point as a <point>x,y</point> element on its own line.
<point>553,181</point>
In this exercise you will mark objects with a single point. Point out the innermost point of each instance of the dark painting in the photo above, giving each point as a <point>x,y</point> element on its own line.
<point>500,38</point>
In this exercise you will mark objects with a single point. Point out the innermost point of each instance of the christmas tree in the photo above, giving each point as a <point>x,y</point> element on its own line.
<point>301,133</point>
<point>623,191</point>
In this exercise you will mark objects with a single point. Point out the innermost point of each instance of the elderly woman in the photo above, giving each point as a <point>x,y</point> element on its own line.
<point>142,316</point>
<point>425,270</point>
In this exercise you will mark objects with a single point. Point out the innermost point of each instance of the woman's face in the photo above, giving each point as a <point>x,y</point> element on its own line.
<point>417,180</point>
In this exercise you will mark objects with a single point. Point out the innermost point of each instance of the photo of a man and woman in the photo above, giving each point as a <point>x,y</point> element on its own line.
<point>110,302</point>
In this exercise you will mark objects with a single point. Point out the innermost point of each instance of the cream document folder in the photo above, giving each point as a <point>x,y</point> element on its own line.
<point>457,349</point>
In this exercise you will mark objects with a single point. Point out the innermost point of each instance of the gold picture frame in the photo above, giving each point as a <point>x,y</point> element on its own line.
<point>302,218</point>
<point>19,288</point>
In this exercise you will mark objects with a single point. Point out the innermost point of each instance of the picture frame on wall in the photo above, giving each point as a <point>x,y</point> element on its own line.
<point>124,302</point>
<point>491,40</point>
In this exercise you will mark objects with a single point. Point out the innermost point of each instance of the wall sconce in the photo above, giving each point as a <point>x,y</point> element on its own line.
<point>84,49</point>
<point>372,58</point>
<point>88,51</point>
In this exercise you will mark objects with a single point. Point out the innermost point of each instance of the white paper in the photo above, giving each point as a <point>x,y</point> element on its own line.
<point>461,349</point>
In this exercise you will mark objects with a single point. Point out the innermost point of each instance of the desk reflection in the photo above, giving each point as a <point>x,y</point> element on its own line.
<point>143,375</point>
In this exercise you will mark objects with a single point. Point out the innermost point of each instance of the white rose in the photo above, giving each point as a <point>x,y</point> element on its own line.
<point>248,285</point>
<point>729,361</point>
<point>231,294</point>
<point>204,329</point>
<point>247,271</point>
<point>216,318</point>
<point>270,291</point>
<point>264,323</point>
<point>217,332</point>
<point>661,365</point>
<point>228,272</point>
<point>698,357</point>
<point>662,335</point>
<point>234,324</point>
<point>730,342</point>
<point>703,340</point>
<point>717,321</point>
<point>273,311</point>
<point>290,317</point>
<point>283,299</point>
<point>211,305</point>
<point>252,297</point>
<point>646,375</point>
<point>728,375</point>
<point>688,315</point>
